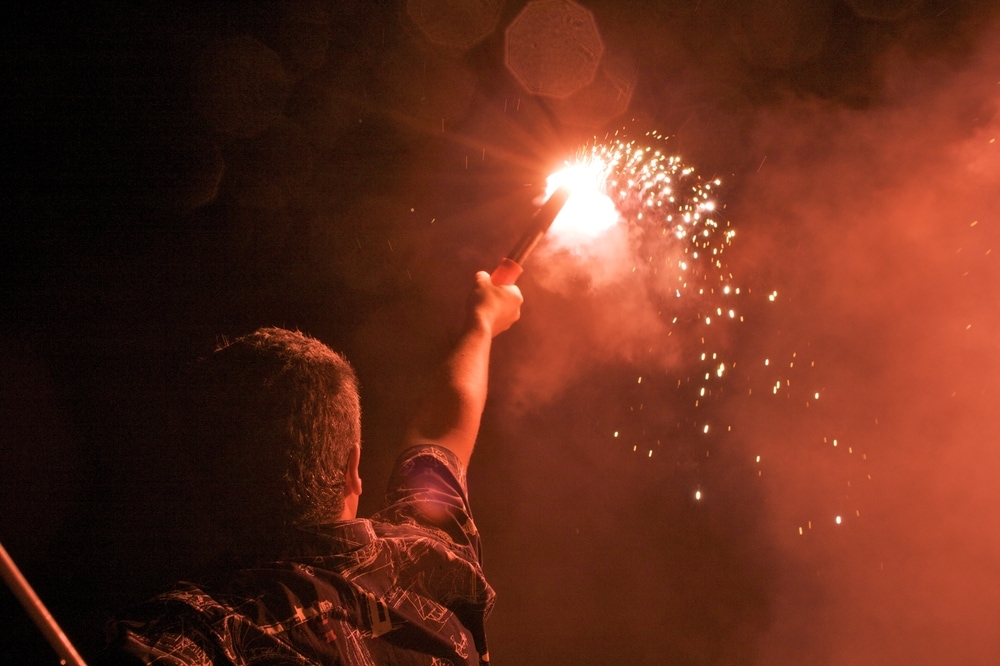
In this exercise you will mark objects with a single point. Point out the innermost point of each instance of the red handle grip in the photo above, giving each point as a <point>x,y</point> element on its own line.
<point>506,272</point>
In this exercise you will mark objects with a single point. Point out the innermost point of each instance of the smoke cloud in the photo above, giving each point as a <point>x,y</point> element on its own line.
<point>858,406</point>
<point>888,222</point>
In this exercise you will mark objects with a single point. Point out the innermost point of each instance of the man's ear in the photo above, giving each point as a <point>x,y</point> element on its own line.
<point>352,477</point>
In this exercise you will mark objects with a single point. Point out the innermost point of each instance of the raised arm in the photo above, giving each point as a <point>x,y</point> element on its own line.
<point>450,413</point>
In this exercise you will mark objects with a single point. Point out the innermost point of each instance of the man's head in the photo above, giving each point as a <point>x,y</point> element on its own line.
<point>284,431</point>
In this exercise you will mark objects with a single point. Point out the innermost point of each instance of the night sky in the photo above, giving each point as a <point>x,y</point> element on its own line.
<point>180,173</point>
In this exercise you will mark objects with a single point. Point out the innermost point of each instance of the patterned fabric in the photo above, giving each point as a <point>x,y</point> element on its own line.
<point>405,587</point>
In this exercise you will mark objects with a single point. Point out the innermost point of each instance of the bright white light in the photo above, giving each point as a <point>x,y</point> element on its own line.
<point>589,211</point>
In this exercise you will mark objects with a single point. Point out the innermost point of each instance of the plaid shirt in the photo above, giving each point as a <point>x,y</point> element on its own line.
<point>404,587</point>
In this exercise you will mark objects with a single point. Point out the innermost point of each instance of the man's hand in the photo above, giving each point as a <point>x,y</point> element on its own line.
<point>494,307</point>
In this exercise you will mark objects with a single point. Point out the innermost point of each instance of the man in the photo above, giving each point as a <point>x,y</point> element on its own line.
<point>306,581</point>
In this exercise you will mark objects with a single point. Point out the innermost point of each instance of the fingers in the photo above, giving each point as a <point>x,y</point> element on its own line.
<point>498,307</point>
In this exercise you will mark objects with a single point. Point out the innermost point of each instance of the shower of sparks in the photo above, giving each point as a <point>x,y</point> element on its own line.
<point>676,241</point>
<point>641,185</point>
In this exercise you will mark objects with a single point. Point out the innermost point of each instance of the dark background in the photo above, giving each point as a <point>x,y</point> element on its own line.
<point>179,172</point>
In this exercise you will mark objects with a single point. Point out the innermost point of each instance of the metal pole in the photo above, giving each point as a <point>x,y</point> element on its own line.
<point>36,610</point>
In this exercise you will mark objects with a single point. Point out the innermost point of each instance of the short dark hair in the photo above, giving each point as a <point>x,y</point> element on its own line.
<point>283,411</point>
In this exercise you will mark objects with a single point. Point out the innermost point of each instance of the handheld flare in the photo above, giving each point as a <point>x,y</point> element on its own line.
<point>511,267</point>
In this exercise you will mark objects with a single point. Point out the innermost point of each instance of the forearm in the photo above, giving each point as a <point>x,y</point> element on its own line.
<point>451,411</point>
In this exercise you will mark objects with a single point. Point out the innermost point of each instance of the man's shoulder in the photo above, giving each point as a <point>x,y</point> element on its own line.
<point>427,493</point>
<point>429,457</point>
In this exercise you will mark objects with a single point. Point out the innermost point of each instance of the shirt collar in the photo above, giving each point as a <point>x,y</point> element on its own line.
<point>347,535</point>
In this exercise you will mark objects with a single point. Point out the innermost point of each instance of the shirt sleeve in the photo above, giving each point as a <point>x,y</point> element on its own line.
<point>427,490</point>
